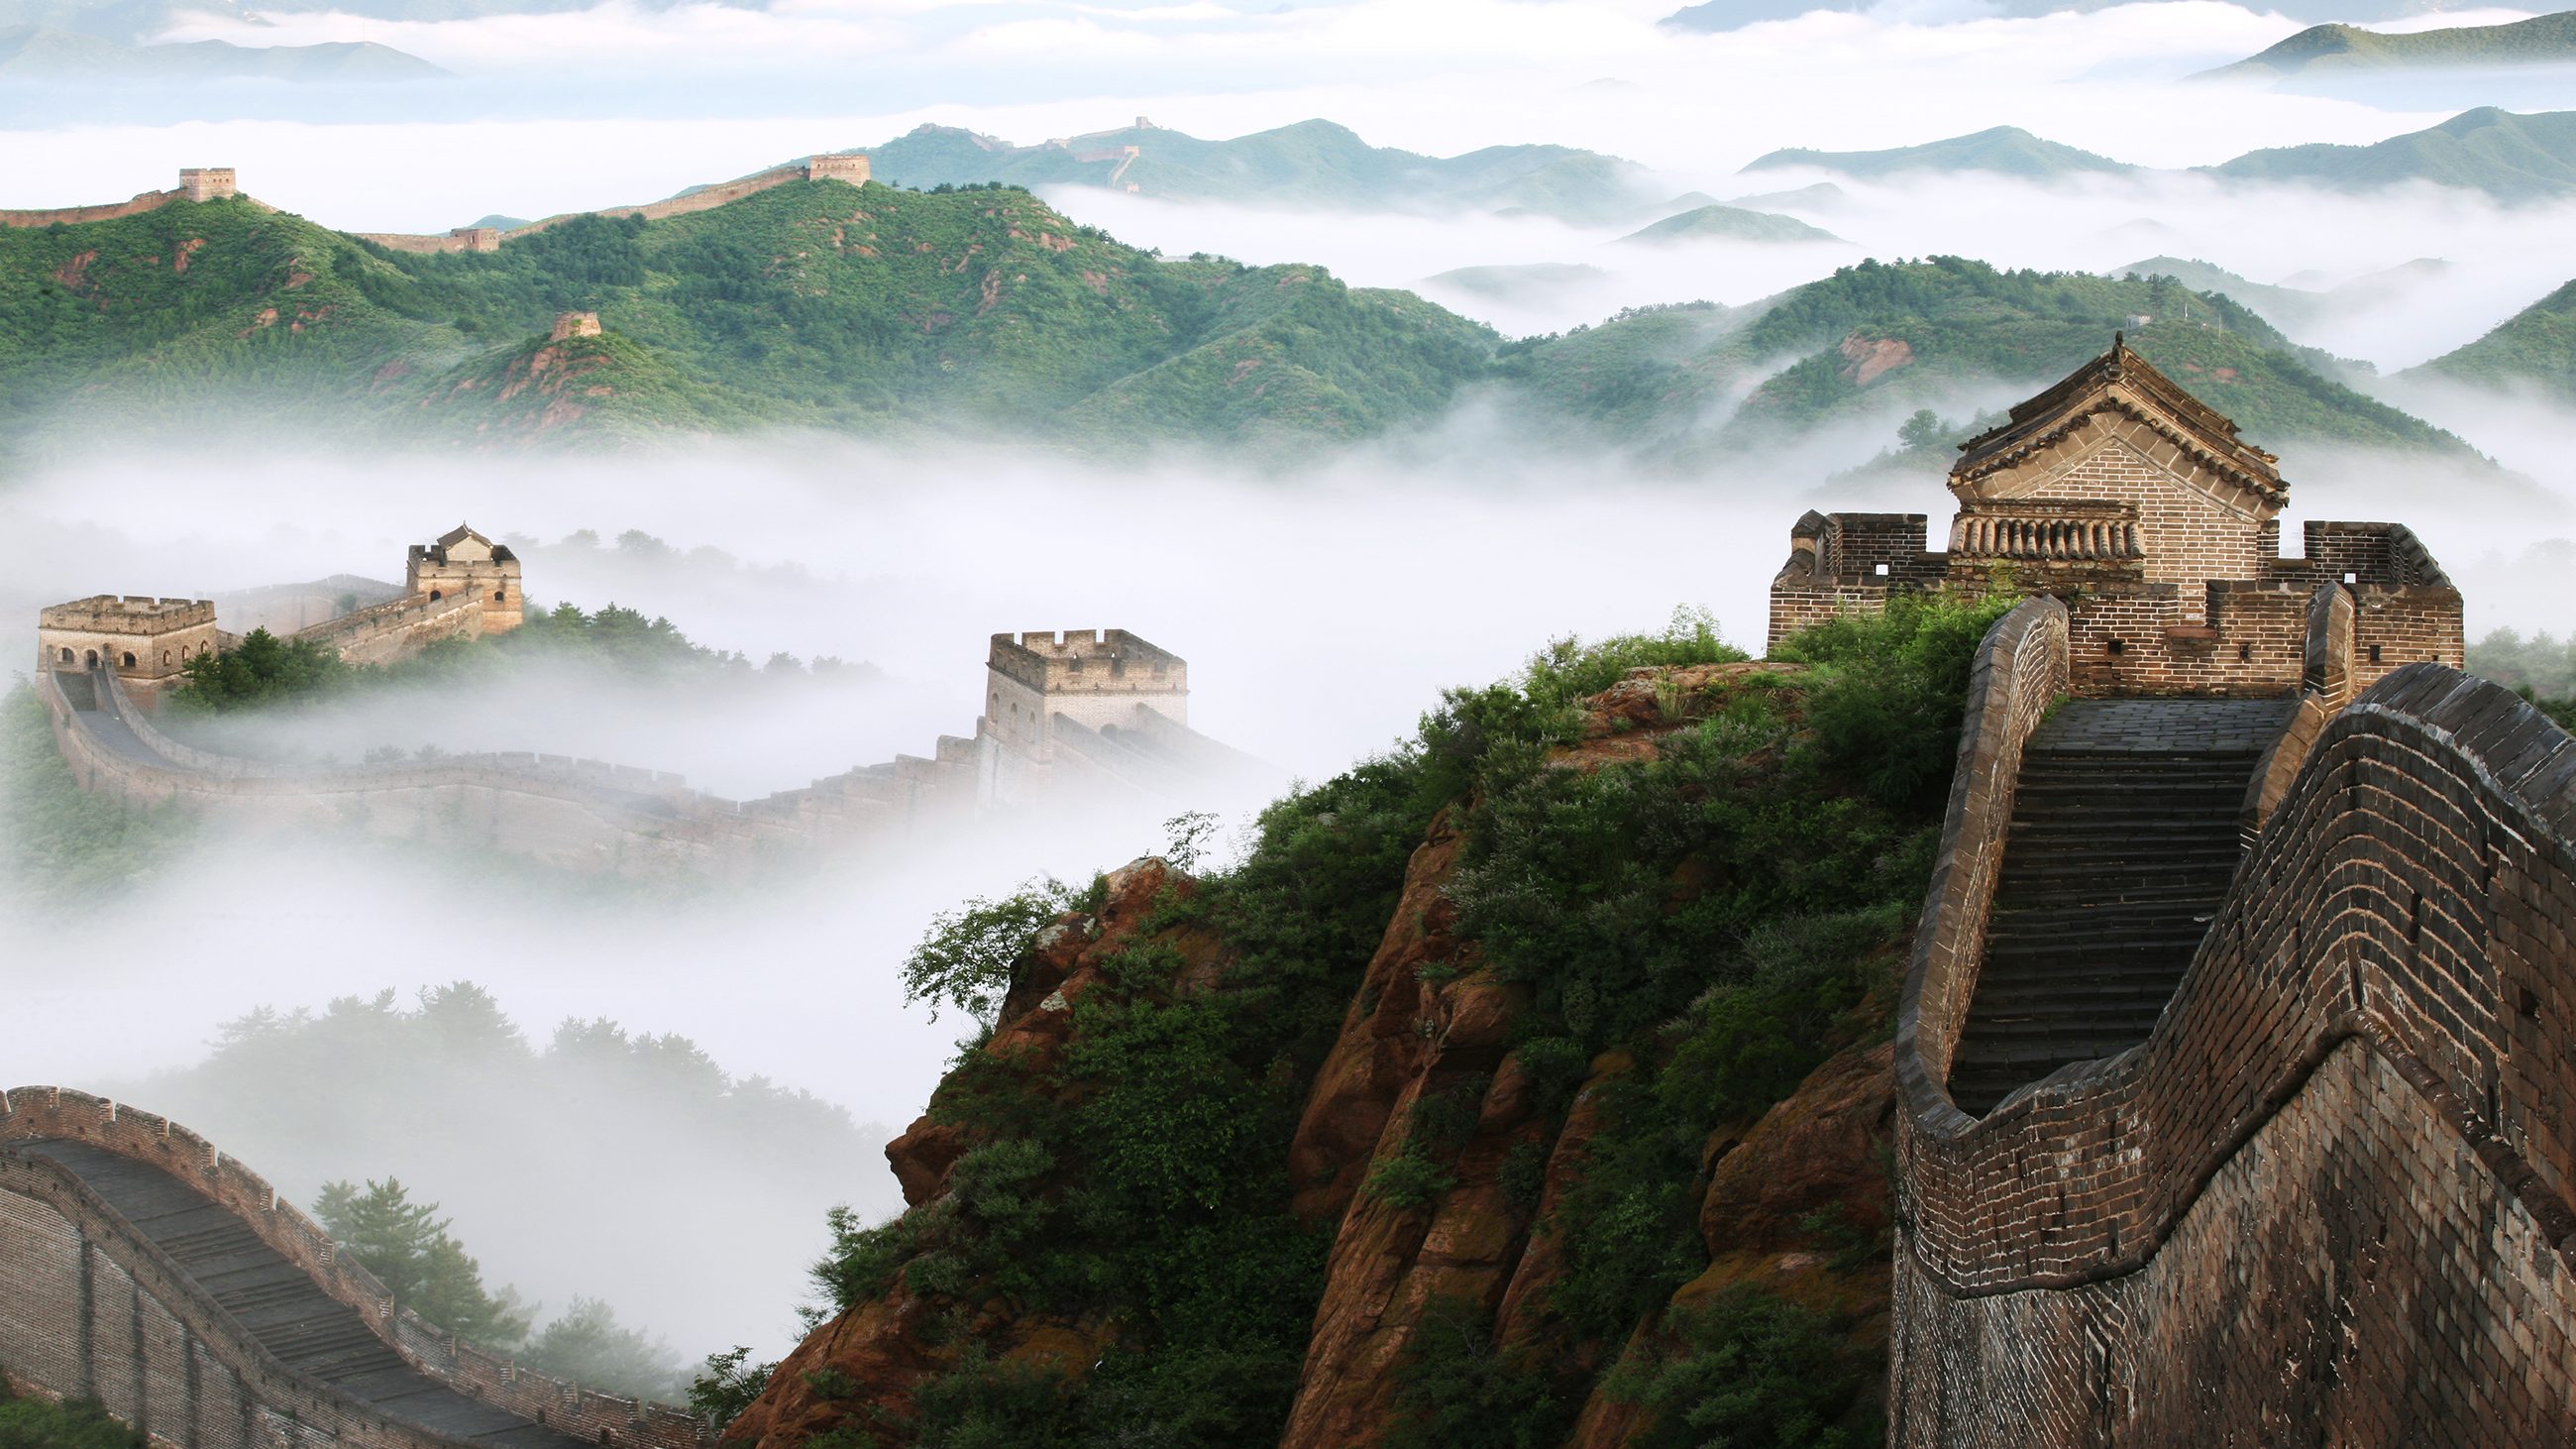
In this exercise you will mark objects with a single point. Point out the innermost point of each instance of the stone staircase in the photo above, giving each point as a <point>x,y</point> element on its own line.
<point>2123,842</point>
<point>286,1312</point>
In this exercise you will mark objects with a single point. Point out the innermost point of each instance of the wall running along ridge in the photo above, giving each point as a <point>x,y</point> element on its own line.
<point>90,1307</point>
<point>2329,1199</point>
<point>580,815</point>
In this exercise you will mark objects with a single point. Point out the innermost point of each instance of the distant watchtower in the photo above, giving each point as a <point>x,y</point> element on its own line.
<point>463,561</point>
<point>146,641</point>
<point>206,183</point>
<point>1042,686</point>
<point>852,169</point>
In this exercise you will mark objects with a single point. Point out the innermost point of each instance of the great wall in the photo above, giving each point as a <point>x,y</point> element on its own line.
<point>2233,1063</point>
<point>209,183</point>
<point>1068,715</point>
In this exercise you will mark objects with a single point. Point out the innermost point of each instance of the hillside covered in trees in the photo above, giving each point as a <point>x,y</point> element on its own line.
<point>983,314</point>
<point>1523,1084</point>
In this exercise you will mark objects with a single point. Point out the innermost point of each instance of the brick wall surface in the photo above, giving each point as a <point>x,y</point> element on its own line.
<point>2328,1200</point>
<point>2188,536</point>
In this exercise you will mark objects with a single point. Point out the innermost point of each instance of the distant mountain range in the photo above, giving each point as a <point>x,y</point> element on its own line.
<point>983,314</point>
<point>1727,223</point>
<point>2004,150</point>
<point>2293,309</point>
<point>2508,156</point>
<point>1719,15</point>
<point>2535,349</point>
<point>2542,40</point>
<point>40,53</point>
<point>1312,165</point>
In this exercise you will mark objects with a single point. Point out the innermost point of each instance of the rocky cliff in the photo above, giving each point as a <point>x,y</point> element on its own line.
<point>1403,1132</point>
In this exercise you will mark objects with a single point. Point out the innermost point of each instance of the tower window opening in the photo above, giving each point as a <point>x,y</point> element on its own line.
<point>2374,654</point>
<point>2119,646</point>
<point>128,657</point>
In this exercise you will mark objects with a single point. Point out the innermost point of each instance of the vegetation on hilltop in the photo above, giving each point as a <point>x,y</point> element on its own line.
<point>264,671</point>
<point>812,303</point>
<point>1684,877</point>
<point>882,311</point>
<point>2534,348</point>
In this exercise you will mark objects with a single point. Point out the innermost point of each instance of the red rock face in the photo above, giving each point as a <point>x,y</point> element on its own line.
<point>1867,359</point>
<point>884,1344</point>
<point>1404,1039</point>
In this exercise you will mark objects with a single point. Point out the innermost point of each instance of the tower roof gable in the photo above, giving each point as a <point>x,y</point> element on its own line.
<point>2120,381</point>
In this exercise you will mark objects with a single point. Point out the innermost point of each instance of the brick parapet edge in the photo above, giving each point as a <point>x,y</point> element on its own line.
<point>2414,889</point>
<point>308,1403</point>
<point>2325,687</point>
<point>2020,671</point>
<point>28,1113</point>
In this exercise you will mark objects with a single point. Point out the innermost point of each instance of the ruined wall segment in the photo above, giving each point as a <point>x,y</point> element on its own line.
<point>2332,1198</point>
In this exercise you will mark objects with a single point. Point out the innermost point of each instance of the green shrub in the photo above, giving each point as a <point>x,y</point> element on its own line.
<point>34,1423</point>
<point>1456,1390</point>
<point>1749,1369</point>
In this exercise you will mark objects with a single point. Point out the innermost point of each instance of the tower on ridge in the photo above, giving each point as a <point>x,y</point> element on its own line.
<point>461,560</point>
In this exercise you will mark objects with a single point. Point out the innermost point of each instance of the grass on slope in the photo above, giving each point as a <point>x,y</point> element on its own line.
<point>2536,347</point>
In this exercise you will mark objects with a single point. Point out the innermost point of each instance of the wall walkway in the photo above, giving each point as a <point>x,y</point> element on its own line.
<point>2328,1200</point>
<point>142,1267</point>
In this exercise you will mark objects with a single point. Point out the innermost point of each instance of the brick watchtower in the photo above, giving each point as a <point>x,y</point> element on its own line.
<point>206,183</point>
<point>2137,504</point>
<point>146,641</point>
<point>1097,680</point>
<point>462,561</point>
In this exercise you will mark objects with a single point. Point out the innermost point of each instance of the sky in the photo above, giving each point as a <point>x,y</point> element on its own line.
<point>1321,611</point>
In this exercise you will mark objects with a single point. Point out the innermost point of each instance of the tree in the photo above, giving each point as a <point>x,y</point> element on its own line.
<point>1922,431</point>
<point>965,959</point>
<point>727,1385</point>
<point>262,669</point>
<point>406,1245</point>
<point>586,1346</point>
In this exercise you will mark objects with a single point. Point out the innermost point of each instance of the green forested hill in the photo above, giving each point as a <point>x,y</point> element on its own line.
<point>984,314</point>
<point>1309,164</point>
<point>813,303</point>
<point>2509,156</point>
<point>1878,333</point>
<point>2542,39</point>
<point>2535,347</point>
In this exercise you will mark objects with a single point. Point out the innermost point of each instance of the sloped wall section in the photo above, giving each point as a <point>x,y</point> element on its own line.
<point>90,1307</point>
<point>2329,1199</point>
